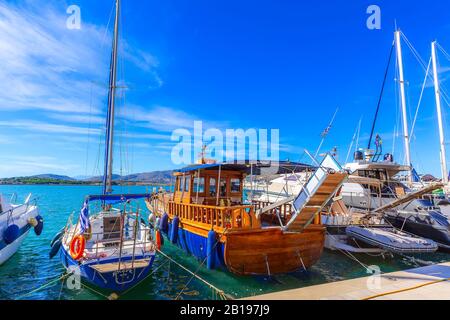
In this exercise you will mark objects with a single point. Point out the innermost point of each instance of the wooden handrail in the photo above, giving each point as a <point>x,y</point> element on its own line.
<point>232,217</point>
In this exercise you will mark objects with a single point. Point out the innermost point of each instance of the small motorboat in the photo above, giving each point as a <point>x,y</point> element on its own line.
<point>15,223</point>
<point>391,239</point>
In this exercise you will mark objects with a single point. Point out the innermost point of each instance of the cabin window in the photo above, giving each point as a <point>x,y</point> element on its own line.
<point>187,183</point>
<point>212,187</point>
<point>181,184</point>
<point>199,185</point>
<point>235,185</point>
<point>223,187</point>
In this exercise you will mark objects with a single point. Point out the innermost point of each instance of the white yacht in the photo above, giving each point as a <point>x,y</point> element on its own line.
<point>16,221</point>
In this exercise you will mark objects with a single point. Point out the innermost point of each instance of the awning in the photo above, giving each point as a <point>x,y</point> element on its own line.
<point>253,167</point>
<point>117,198</point>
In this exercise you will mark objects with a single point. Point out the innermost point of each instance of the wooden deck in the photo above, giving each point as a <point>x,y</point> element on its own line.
<point>111,267</point>
<point>427,283</point>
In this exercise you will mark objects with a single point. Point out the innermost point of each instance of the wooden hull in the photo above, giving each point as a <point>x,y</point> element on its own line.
<point>258,251</point>
<point>272,251</point>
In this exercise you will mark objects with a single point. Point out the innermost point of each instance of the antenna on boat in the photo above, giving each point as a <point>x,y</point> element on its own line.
<point>403,102</point>
<point>109,142</point>
<point>326,132</point>
<point>439,113</point>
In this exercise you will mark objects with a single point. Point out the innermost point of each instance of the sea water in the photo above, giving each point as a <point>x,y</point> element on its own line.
<point>30,268</point>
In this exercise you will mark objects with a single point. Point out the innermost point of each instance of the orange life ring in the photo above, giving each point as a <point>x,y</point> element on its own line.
<point>77,246</point>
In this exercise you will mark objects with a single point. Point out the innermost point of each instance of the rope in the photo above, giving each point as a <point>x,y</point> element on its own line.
<point>381,95</point>
<point>420,98</point>
<point>194,275</point>
<point>61,278</point>
<point>406,289</point>
<point>149,275</point>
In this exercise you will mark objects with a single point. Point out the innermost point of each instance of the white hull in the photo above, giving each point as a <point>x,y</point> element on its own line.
<point>11,249</point>
<point>340,243</point>
<point>20,216</point>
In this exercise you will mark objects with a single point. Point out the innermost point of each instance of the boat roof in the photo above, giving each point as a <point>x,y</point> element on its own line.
<point>252,167</point>
<point>392,167</point>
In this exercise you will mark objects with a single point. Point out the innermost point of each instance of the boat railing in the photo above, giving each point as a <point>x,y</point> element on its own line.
<point>230,217</point>
<point>118,241</point>
<point>29,203</point>
<point>284,211</point>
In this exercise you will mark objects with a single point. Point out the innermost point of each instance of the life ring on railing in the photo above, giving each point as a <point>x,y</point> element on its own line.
<point>77,246</point>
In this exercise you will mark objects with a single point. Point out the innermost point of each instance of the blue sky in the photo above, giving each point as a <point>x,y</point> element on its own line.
<point>232,64</point>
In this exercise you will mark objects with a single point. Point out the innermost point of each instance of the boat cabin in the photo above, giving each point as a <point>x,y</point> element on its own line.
<point>211,185</point>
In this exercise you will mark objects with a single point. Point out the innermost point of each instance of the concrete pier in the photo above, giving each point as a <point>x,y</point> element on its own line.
<point>427,283</point>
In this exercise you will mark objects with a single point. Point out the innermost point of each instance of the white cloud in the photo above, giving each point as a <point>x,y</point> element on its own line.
<point>30,165</point>
<point>48,127</point>
<point>78,118</point>
<point>49,67</point>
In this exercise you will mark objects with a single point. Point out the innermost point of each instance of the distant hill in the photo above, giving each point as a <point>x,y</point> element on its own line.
<point>156,177</point>
<point>53,177</point>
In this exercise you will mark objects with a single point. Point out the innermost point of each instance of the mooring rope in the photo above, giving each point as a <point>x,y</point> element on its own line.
<point>220,292</point>
<point>61,278</point>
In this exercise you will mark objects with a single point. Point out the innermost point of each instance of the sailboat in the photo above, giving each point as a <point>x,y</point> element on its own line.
<point>400,206</point>
<point>16,221</point>
<point>113,249</point>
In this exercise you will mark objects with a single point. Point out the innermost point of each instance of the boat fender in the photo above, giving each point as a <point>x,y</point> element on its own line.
<point>158,238</point>
<point>152,219</point>
<point>157,223</point>
<point>210,246</point>
<point>77,246</point>
<point>40,225</point>
<point>11,233</point>
<point>57,237</point>
<point>174,230</point>
<point>32,222</point>
<point>55,248</point>
<point>164,223</point>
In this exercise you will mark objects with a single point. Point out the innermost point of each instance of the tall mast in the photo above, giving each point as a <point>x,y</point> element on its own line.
<point>439,113</point>
<point>109,143</point>
<point>403,102</point>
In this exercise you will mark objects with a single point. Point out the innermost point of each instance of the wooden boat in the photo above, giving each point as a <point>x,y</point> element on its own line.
<point>211,221</point>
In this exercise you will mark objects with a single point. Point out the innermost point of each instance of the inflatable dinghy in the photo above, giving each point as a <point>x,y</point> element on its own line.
<point>392,240</point>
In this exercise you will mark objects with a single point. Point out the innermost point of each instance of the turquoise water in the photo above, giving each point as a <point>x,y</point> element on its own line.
<point>30,268</point>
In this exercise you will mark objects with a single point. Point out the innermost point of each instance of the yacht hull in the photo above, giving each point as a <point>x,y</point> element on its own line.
<point>115,281</point>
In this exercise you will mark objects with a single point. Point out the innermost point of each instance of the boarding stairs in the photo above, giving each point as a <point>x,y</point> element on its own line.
<point>409,197</point>
<point>316,194</point>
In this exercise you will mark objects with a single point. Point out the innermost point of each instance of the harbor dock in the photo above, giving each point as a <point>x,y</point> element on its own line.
<point>426,283</point>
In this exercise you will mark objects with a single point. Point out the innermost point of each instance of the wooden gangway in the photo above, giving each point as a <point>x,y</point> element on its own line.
<point>316,194</point>
<point>409,197</point>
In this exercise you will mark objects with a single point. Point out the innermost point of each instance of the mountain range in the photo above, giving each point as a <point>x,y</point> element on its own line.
<point>156,177</point>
